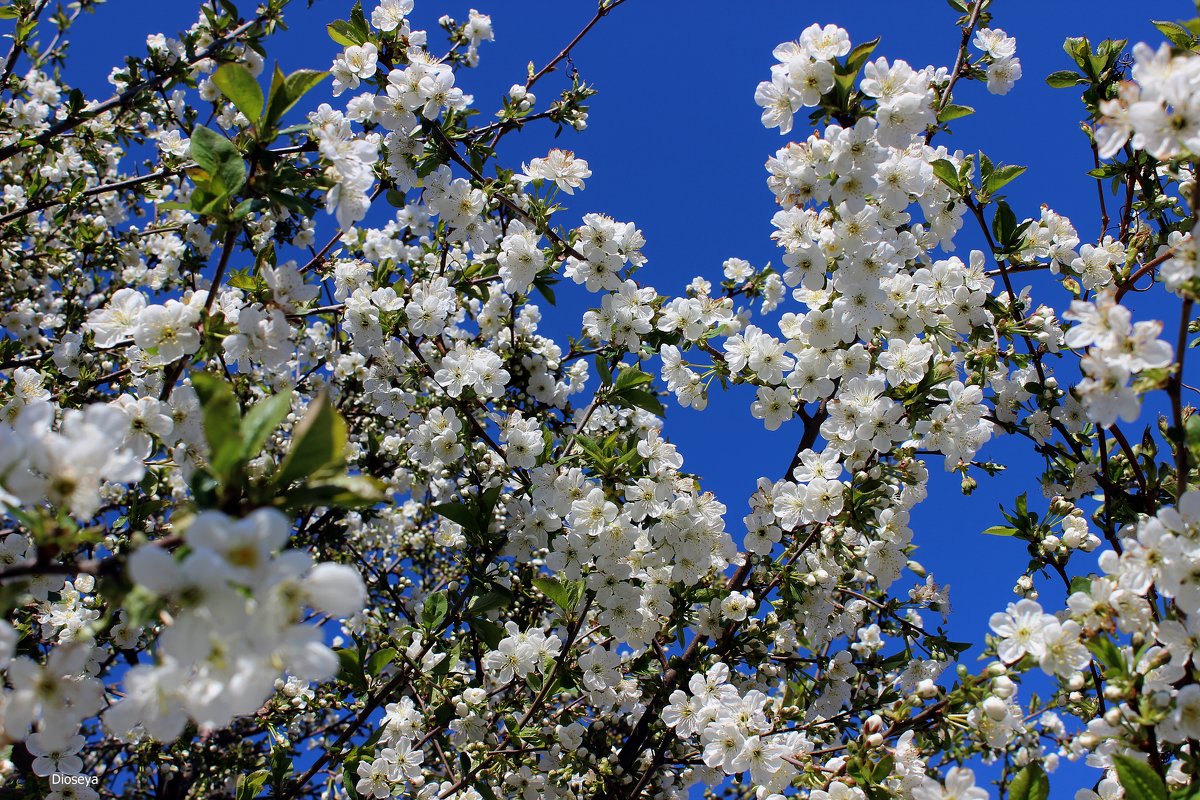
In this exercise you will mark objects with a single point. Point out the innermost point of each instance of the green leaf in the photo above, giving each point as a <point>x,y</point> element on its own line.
<point>1138,779</point>
<point>564,594</point>
<point>603,370</point>
<point>222,423</point>
<point>1192,429</point>
<point>217,156</point>
<point>261,420</point>
<point>342,491</point>
<point>1000,530</point>
<point>242,89</point>
<point>250,786</point>
<point>643,400</point>
<point>1108,654</point>
<point>1180,36</point>
<point>344,33</point>
<point>461,513</point>
<point>359,20</point>
<point>350,778</point>
<point>318,442</point>
<point>1078,48</point>
<point>1030,783</point>
<point>380,660</point>
<point>286,92</point>
<point>953,112</point>
<point>947,173</point>
<point>1064,79</point>
<point>490,632</point>
<point>351,671</point>
<point>1080,583</point>
<point>859,55</point>
<point>497,597</point>
<point>434,610</point>
<point>1004,226</point>
<point>1001,177</point>
<point>631,377</point>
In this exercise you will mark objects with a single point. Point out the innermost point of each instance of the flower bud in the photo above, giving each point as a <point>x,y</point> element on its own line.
<point>1003,687</point>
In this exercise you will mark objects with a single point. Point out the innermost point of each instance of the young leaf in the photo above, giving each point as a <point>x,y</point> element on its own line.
<point>222,422</point>
<point>643,400</point>
<point>1138,779</point>
<point>1030,783</point>
<point>631,377</point>
<point>434,611</point>
<point>380,660</point>
<point>1004,225</point>
<point>344,33</point>
<point>1180,36</point>
<point>287,91</point>
<point>242,89</point>
<point>945,172</point>
<point>217,156</point>
<point>1064,79</point>
<point>319,441</point>
<point>461,513</point>
<point>250,786</point>
<point>1001,177</point>
<point>261,420</point>
<point>952,112</point>
<point>564,594</point>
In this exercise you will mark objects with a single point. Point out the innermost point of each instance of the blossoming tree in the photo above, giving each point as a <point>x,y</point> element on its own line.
<point>301,505</point>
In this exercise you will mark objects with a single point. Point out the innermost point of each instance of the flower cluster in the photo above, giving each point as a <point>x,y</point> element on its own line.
<point>321,512</point>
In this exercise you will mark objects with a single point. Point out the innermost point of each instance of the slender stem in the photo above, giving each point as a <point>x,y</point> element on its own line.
<point>1175,391</point>
<point>176,369</point>
<point>959,62</point>
<point>18,47</point>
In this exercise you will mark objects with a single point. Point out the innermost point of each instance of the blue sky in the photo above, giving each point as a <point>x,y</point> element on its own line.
<point>675,145</point>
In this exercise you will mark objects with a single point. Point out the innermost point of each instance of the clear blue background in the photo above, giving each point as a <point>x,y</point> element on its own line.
<point>675,145</point>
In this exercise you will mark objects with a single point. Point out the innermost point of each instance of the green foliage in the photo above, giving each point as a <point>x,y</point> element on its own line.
<point>286,91</point>
<point>312,472</point>
<point>1031,783</point>
<point>564,594</point>
<point>946,172</point>
<point>236,83</point>
<point>250,786</point>
<point>220,160</point>
<point>1138,779</point>
<point>434,610</point>
<point>318,443</point>
<point>354,31</point>
<point>628,390</point>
